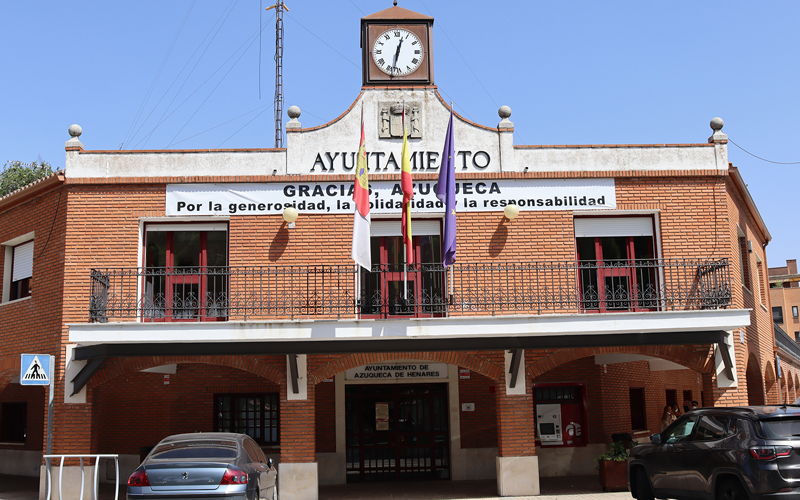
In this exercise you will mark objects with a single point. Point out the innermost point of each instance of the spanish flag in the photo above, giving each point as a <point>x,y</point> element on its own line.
<point>361,220</point>
<point>408,193</point>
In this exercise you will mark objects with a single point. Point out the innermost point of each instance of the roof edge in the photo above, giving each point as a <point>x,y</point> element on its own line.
<point>738,182</point>
<point>397,14</point>
<point>32,189</point>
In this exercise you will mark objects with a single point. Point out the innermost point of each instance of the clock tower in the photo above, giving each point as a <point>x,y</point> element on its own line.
<point>396,48</point>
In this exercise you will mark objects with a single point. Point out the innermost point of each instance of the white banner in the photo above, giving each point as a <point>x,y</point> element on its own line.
<point>401,370</point>
<point>480,195</point>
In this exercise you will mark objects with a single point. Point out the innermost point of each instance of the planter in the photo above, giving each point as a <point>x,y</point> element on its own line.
<point>613,475</point>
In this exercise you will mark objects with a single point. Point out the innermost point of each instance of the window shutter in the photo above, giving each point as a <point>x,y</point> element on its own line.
<point>424,227</point>
<point>23,261</point>
<point>613,226</point>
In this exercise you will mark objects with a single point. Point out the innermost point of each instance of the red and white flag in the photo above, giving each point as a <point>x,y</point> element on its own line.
<point>361,219</point>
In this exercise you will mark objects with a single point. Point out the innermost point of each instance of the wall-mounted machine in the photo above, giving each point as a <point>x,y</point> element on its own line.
<point>548,424</point>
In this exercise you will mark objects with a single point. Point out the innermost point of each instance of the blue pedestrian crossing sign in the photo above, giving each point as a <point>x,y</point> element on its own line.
<point>34,369</point>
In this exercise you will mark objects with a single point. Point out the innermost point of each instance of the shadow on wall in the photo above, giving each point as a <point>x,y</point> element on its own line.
<point>279,243</point>
<point>499,238</point>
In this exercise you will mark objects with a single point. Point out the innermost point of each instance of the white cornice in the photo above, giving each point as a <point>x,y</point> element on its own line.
<point>454,327</point>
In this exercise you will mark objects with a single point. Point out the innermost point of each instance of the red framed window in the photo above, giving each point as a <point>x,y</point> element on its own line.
<point>617,273</point>
<point>185,273</point>
<point>394,289</point>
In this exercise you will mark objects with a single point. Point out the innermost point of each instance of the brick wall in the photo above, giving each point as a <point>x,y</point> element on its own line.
<point>696,212</point>
<point>785,298</point>
<point>33,325</point>
<point>479,427</point>
<point>608,398</point>
<point>138,409</point>
<point>325,417</point>
<point>759,337</point>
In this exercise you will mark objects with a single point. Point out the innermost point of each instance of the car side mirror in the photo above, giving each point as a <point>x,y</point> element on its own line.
<point>655,439</point>
<point>270,463</point>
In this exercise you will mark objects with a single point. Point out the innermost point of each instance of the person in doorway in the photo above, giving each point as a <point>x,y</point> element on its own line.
<point>666,418</point>
<point>686,406</point>
<point>676,412</point>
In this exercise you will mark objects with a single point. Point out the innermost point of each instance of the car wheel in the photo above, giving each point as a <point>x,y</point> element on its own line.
<point>643,489</point>
<point>731,489</point>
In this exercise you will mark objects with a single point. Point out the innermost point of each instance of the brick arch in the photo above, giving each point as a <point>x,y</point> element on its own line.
<point>697,361</point>
<point>466,360</point>
<point>769,374</point>
<point>128,365</point>
<point>9,368</point>
<point>770,385</point>
<point>755,383</point>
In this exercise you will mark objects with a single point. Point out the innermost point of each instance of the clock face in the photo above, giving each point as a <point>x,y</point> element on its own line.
<point>397,52</point>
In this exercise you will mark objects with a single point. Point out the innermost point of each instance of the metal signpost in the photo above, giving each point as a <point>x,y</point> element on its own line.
<point>37,369</point>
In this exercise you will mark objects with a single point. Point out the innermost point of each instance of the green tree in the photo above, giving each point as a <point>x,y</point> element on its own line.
<point>16,174</point>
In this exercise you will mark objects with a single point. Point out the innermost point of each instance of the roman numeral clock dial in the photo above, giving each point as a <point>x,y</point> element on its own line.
<point>397,52</point>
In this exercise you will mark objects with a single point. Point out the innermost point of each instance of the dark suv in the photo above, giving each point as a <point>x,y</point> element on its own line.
<point>721,453</point>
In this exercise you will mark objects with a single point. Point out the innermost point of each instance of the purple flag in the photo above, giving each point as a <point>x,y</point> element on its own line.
<point>446,192</point>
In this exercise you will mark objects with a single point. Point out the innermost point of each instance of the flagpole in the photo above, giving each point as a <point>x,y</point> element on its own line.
<point>405,248</point>
<point>451,267</point>
<point>357,293</point>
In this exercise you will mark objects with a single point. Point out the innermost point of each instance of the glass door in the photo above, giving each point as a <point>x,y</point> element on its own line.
<point>617,273</point>
<point>185,276</point>
<point>394,289</point>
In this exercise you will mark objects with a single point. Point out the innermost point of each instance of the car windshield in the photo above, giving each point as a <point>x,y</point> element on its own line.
<point>196,450</point>
<point>781,428</point>
<point>681,430</point>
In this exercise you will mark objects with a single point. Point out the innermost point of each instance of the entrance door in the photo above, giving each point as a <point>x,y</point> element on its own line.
<point>397,432</point>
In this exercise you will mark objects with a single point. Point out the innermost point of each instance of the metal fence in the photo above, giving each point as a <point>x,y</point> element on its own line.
<point>427,290</point>
<point>49,486</point>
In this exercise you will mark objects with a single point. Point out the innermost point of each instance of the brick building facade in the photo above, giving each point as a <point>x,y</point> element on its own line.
<point>176,298</point>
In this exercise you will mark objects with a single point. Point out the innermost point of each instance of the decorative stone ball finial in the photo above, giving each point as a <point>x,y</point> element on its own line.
<point>717,137</point>
<point>504,112</point>
<point>75,130</point>
<point>294,114</point>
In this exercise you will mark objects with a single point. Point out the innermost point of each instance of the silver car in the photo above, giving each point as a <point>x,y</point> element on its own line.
<point>210,465</point>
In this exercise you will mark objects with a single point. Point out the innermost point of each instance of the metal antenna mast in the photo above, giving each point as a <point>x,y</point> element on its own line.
<point>279,8</point>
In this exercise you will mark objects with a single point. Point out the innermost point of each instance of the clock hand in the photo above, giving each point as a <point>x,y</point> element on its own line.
<point>396,54</point>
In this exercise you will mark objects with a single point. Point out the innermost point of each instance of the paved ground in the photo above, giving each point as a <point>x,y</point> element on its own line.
<point>560,488</point>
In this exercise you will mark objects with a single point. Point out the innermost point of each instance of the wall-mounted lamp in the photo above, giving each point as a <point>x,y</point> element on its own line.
<point>749,246</point>
<point>290,215</point>
<point>511,212</point>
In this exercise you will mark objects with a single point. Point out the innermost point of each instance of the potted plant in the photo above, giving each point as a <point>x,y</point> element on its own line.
<point>614,467</point>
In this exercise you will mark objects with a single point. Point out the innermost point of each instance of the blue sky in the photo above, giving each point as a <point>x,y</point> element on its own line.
<point>572,73</point>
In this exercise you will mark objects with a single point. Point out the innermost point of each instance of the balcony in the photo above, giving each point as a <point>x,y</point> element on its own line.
<point>186,294</point>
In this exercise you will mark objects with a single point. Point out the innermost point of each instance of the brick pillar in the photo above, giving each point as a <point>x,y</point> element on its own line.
<point>297,428</point>
<point>517,463</point>
<point>297,471</point>
<point>709,395</point>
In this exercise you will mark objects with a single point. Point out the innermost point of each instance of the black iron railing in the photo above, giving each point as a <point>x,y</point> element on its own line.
<point>389,291</point>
